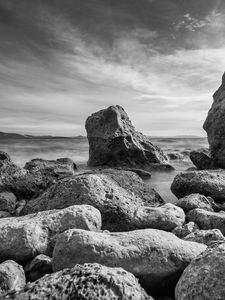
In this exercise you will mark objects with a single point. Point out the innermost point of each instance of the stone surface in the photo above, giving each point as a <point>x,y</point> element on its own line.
<point>205,236</point>
<point>202,160</point>
<point>38,267</point>
<point>23,238</point>
<point>182,231</point>
<point>215,126</point>
<point>5,214</point>
<point>208,220</point>
<point>156,257</point>
<point>204,278</point>
<point>208,183</point>
<point>116,193</point>
<point>89,282</point>
<point>194,201</point>
<point>175,156</point>
<point>7,202</point>
<point>113,141</point>
<point>12,277</point>
<point>165,217</point>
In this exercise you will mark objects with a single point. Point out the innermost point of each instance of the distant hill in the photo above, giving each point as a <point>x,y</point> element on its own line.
<point>5,135</point>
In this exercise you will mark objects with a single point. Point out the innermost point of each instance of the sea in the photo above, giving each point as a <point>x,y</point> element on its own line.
<point>23,150</point>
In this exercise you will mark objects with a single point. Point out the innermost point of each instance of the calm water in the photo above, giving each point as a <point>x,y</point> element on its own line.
<point>22,151</point>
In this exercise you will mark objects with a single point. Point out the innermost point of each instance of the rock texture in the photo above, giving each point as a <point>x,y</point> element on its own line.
<point>23,238</point>
<point>208,183</point>
<point>38,267</point>
<point>7,202</point>
<point>12,277</point>
<point>113,141</point>
<point>202,160</point>
<point>204,278</point>
<point>194,201</point>
<point>116,193</point>
<point>186,229</point>
<point>208,220</point>
<point>89,282</point>
<point>156,257</point>
<point>215,126</point>
<point>205,236</point>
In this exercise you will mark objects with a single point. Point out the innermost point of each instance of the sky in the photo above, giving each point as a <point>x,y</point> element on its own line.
<point>61,60</point>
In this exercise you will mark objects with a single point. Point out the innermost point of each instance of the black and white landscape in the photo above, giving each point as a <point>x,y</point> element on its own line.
<point>112,149</point>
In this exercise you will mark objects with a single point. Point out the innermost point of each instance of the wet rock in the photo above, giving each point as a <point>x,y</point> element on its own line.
<point>204,278</point>
<point>208,220</point>
<point>12,277</point>
<point>175,156</point>
<point>88,281</point>
<point>165,217</point>
<point>186,229</point>
<point>215,128</point>
<point>113,141</point>
<point>208,183</point>
<point>202,160</point>
<point>38,267</point>
<point>23,238</point>
<point>116,193</point>
<point>194,201</point>
<point>156,257</point>
<point>205,236</point>
<point>7,202</point>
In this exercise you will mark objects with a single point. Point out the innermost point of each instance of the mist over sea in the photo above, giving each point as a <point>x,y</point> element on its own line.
<point>23,150</point>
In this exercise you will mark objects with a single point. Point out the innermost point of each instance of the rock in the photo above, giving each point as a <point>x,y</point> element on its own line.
<point>204,278</point>
<point>175,156</point>
<point>186,229</point>
<point>117,194</point>
<point>19,207</point>
<point>215,128</point>
<point>205,236</point>
<point>165,217</point>
<point>113,141</point>
<point>202,160</point>
<point>38,267</point>
<point>208,183</point>
<point>88,281</point>
<point>12,277</point>
<point>161,168</point>
<point>142,173</point>
<point>156,257</point>
<point>207,220</point>
<point>23,238</point>
<point>7,202</point>
<point>194,201</point>
<point>5,214</point>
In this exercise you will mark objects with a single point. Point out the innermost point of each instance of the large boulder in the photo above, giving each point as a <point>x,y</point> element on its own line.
<point>113,141</point>
<point>23,238</point>
<point>204,278</point>
<point>12,277</point>
<point>208,183</point>
<point>208,220</point>
<point>202,160</point>
<point>156,257</point>
<point>117,194</point>
<point>205,236</point>
<point>194,201</point>
<point>88,281</point>
<point>215,126</point>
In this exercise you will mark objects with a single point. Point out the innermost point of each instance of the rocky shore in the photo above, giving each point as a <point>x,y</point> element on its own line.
<point>103,233</point>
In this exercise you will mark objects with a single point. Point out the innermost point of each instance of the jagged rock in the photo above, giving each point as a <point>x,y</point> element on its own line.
<point>194,201</point>
<point>7,202</point>
<point>215,128</point>
<point>23,238</point>
<point>12,277</point>
<point>186,229</point>
<point>88,281</point>
<point>208,220</point>
<point>113,141</point>
<point>205,236</point>
<point>202,160</point>
<point>38,267</point>
<point>208,183</point>
<point>165,217</point>
<point>116,193</point>
<point>204,278</point>
<point>156,257</point>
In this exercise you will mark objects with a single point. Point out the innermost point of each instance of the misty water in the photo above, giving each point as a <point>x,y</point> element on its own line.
<point>23,150</point>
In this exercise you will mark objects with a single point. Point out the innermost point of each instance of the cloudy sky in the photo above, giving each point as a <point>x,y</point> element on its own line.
<point>61,60</point>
